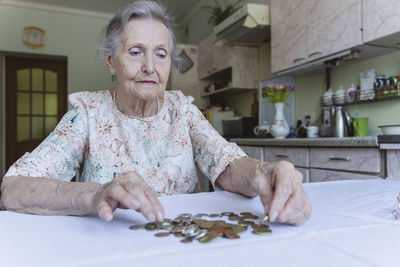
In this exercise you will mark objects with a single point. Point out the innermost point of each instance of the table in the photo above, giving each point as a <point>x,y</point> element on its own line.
<point>352,225</point>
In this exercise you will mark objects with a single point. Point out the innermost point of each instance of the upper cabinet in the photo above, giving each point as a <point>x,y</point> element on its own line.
<point>306,30</point>
<point>381,22</point>
<point>230,68</point>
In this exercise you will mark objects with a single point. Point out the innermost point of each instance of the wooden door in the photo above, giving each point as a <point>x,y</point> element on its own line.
<point>36,93</point>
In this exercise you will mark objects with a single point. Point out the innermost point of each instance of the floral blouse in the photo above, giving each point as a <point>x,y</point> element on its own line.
<point>163,149</point>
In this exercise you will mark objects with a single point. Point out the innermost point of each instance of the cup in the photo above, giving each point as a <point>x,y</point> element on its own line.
<point>360,126</point>
<point>261,129</point>
<point>312,131</point>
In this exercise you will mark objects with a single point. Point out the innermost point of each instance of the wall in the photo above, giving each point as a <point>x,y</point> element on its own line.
<point>73,36</point>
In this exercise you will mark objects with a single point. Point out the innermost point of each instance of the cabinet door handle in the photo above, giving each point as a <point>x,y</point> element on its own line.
<point>339,158</point>
<point>315,53</point>
<point>298,60</point>
<point>282,156</point>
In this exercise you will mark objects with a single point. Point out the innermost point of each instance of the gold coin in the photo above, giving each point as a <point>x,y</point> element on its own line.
<point>161,234</point>
<point>209,237</point>
<point>136,227</point>
<point>256,232</point>
<point>244,222</point>
<point>152,226</point>
<point>230,234</point>
<point>234,217</point>
<point>214,215</point>
<point>187,240</point>
<point>237,229</point>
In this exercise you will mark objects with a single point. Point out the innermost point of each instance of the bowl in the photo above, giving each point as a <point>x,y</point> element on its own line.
<point>390,129</point>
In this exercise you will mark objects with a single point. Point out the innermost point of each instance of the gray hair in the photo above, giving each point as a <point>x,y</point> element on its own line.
<point>137,9</point>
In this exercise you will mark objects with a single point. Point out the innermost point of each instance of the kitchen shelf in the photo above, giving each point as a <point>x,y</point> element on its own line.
<point>372,100</point>
<point>367,101</point>
<point>229,90</point>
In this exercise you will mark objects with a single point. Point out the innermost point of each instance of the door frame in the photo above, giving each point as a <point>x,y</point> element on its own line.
<point>3,55</point>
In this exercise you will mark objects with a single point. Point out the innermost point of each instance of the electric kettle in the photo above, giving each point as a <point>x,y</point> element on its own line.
<point>342,123</point>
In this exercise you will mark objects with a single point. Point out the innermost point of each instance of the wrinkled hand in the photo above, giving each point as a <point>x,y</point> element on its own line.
<point>281,192</point>
<point>127,191</point>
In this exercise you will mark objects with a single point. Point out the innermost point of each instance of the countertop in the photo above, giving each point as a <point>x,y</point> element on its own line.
<point>368,141</point>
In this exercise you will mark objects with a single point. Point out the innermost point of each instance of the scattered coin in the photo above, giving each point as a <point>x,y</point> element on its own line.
<point>162,234</point>
<point>136,227</point>
<point>189,227</point>
<point>230,234</point>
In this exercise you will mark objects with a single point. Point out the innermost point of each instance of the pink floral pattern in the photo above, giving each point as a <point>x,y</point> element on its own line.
<point>164,149</point>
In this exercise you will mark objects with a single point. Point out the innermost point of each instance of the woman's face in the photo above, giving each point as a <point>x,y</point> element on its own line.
<point>142,61</point>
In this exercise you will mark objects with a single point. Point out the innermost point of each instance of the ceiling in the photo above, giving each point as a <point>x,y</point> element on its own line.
<point>181,9</point>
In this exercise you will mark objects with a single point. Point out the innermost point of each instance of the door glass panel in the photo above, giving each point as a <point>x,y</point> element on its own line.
<point>23,103</point>
<point>51,104</point>
<point>23,126</point>
<point>37,80</point>
<point>37,104</point>
<point>51,81</point>
<point>37,127</point>
<point>23,79</point>
<point>51,123</point>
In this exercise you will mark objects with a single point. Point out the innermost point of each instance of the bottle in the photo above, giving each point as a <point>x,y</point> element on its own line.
<point>254,107</point>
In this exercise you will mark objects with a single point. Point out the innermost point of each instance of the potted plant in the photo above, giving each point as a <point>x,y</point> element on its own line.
<point>219,12</point>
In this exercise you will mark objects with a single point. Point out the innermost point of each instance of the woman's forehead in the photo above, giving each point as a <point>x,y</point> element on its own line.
<point>145,31</point>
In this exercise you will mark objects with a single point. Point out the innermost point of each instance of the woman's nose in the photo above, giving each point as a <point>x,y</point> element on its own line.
<point>148,64</point>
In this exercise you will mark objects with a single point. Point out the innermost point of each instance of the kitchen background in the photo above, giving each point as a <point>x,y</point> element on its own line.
<point>75,36</point>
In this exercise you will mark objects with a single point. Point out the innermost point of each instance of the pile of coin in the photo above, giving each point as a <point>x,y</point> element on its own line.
<point>193,227</point>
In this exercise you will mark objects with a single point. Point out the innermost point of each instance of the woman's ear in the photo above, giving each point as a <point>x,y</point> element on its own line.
<point>110,62</point>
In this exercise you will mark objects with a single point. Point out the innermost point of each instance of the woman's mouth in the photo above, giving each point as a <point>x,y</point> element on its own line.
<point>147,82</point>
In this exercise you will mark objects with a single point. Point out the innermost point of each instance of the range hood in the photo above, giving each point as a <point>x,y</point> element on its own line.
<point>250,25</point>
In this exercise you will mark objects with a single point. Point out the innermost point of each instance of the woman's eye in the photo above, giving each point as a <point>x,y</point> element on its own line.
<point>135,52</point>
<point>161,54</point>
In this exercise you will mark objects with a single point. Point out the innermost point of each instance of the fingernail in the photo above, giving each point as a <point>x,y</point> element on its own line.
<point>151,217</point>
<point>160,217</point>
<point>108,217</point>
<point>273,216</point>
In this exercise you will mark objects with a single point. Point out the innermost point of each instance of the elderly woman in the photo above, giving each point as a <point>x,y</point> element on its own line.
<point>138,141</point>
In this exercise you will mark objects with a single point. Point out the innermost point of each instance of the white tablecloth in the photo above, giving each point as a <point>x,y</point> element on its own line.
<point>352,225</point>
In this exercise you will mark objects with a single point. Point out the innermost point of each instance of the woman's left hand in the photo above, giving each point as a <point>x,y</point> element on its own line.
<point>279,186</point>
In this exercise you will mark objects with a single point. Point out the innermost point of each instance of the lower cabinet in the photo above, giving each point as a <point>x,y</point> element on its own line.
<point>393,163</point>
<point>319,164</point>
<point>256,152</point>
<point>319,175</point>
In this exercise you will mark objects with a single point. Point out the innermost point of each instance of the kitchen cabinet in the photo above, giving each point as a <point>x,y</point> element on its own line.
<point>381,22</point>
<point>349,159</point>
<point>318,164</point>
<point>306,30</point>
<point>231,68</point>
<point>393,163</point>
<point>320,175</point>
<point>254,152</point>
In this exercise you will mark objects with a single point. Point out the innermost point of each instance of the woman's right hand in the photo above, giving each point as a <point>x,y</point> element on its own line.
<point>128,191</point>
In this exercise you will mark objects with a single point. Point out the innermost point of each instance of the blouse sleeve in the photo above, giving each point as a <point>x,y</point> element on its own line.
<point>212,153</point>
<point>61,153</point>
